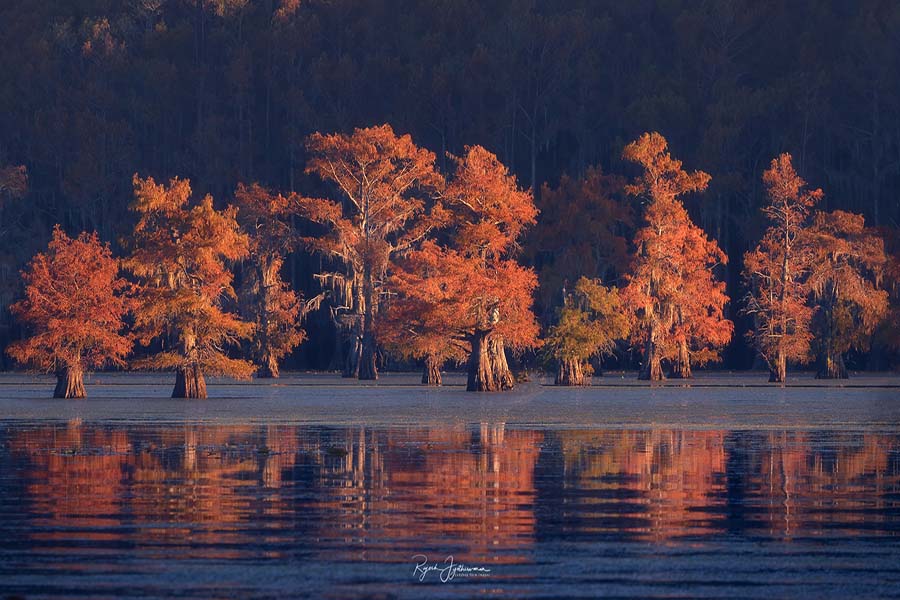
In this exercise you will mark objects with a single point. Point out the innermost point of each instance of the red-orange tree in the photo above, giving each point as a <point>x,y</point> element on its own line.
<point>777,269</point>
<point>74,304</point>
<point>470,295</point>
<point>385,184</point>
<point>848,264</point>
<point>422,318</point>
<point>179,253</point>
<point>267,300</point>
<point>676,303</point>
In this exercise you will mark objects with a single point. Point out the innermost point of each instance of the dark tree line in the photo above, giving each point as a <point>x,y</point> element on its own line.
<point>227,91</point>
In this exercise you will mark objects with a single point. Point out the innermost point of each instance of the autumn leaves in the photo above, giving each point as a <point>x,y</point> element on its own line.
<point>813,281</point>
<point>425,265</point>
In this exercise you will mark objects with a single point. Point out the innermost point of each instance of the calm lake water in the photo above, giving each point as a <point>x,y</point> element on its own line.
<point>758,498</point>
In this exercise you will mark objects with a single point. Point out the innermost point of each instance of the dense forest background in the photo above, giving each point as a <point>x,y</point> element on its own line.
<point>226,91</point>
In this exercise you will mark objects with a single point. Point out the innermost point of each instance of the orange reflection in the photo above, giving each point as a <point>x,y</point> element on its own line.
<point>385,494</point>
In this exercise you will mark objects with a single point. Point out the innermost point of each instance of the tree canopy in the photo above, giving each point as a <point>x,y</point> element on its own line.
<point>74,305</point>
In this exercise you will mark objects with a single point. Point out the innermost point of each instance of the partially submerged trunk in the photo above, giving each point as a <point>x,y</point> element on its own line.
<point>336,362</point>
<point>488,370</point>
<point>497,353</point>
<point>352,357</point>
<point>69,383</point>
<point>778,370</point>
<point>267,274</point>
<point>651,370</point>
<point>570,372</point>
<point>189,383</point>
<point>831,366</point>
<point>431,373</point>
<point>831,362</point>
<point>367,369</point>
<point>681,368</point>
<point>268,367</point>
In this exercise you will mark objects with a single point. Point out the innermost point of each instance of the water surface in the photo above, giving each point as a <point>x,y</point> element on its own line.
<point>763,496</point>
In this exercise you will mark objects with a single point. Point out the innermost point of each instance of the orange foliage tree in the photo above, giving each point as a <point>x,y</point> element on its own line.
<point>470,296</point>
<point>267,300</point>
<point>74,303</point>
<point>179,254</point>
<point>676,303</point>
<point>777,269</point>
<point>422,320</point>
<point>385,185</point>
<point>848,264</point>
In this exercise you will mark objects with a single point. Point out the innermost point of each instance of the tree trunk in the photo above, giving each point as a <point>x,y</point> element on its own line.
<point>69,383</point>
<point>431,374</point>
<point>337,363</point>
<point>681,369</point>
<point>488,370</point>
<point>268,367</point>
<point>651,370</point>
<point>570,372</point>
<point>499,365</point>
<point>352,358</point>
<point>481,376</point>
<point>778,371</point>
<point>189,383</point>
<point>367,369</point>
<point>832,366</point>
<point>267,273</point>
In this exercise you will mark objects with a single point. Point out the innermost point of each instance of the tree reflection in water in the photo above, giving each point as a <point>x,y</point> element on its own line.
<point>487,492</point>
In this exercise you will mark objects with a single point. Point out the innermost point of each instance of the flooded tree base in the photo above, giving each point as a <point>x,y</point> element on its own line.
<point>431,373</point>
<point>833,367</point>
<point>70,384</point>
<point>570,373</point>
<point>488,369</point>
<point>652,372</point>
<point>189,383</point>
<point>268,369</point>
